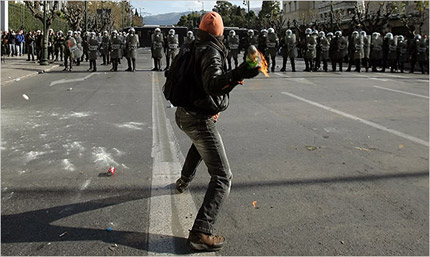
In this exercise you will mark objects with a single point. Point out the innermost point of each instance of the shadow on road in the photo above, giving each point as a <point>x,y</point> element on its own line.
<point>35,226</point>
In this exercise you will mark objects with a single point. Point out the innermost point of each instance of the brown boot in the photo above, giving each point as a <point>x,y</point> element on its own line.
<point>203,242</point>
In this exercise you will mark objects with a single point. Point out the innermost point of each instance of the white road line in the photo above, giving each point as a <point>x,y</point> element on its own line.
<point>281,75</point>
<point>403,92</point>
<point>385,80</point>
<point>86,184</point>
<point>372,124</point>
<point>167,209</point>
<point>62,81</point>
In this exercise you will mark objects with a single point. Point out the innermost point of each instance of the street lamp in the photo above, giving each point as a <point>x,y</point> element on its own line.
<point>44,60</point>
<point>86,16</point>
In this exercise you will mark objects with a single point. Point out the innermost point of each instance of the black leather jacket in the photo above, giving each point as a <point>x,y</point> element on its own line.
<point>213,81</point>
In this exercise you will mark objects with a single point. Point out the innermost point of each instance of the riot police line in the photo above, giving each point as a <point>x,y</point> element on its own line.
<point>371,52</point>
<point>374,52</point>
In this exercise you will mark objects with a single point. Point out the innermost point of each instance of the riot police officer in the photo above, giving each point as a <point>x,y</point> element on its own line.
<point>249,40</point>
<point>262,44</point>
<point>51,44</point>
<point>422,53</point>
<point>189,38</point>
<point>339,50</point>
<point>324,50</point>
<point>272,48</point>
<point>132,43</point>
<point>157,48</point>
<point>93,48</point>
<point>69,46</point>
<point>79,45</point>
<point>392,52</point>
<point>59,45</point>
<point>116,50</point>
<point>309,49</point>
<point>172,47</point>
<point>105,48</point>
<point>366,50</point>
<point>376,50</point>
<point>357,41</point>
<point>403,54</point>
<point>289,50</point>
<point>233,48</point>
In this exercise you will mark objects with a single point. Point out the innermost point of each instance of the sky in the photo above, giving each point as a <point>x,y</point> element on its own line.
<point>160,7</point>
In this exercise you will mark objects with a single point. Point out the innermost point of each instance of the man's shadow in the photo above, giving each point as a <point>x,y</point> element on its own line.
<point>35,226</point>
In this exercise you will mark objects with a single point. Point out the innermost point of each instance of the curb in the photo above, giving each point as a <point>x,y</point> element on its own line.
<point>3,83</point>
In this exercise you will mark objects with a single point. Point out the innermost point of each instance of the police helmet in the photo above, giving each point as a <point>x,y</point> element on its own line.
<point>114,32</point>
<point>60,32</point>
<point>338,33</point>
<point>131,31</point>
<point>79,32</point>
<point>232,32</point>
<point>401,38</point>
<point>271,30</point>
<point>171,32</point>
<point>263,31</point>
<point>190,34</point>
<point>321,34</point>
<point>389,35</point>
<point>330,34</point>
<point>157,30</point>
<point>355,32</point>
<point>105,32</point>
<point>363,33</point>
<point>417,36</point>
<point>315,32</point>
<point>250,32</point>
<point>289,32</point>
<point>308,31</point>
<point>69,33</point>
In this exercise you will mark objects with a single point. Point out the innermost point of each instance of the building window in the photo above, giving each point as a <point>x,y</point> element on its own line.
<point>295,5</point>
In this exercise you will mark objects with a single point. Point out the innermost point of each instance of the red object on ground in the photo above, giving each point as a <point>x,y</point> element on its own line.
<point>111,171</point>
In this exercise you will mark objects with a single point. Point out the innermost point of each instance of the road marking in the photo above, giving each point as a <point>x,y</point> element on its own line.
<point>385,80</point>
<point>62,81</point>
<point>403,92</point>
<point>281,75</point>
<point>167,209</point>
<point>370,123</point>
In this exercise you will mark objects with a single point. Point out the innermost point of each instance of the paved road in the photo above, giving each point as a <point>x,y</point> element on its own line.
<point>336,162</point>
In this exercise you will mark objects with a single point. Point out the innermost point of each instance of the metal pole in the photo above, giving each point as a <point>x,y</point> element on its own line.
<point>249,16</point>
<point>86,16</point>
<point>44,60</point>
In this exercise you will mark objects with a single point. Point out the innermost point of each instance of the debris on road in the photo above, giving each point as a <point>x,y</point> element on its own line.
<point>311,148</point>
<point>342,242</point>
<point>111,171</point>
<point>112,247</point>
<point>401,146</point>
<point>254,203</point>
<point>41,72</point>
<point>362,149</point>
<point>69,89</point>
<point>109,229</point>
<point>25,97</point>
<point>18,79</point>
<point>63,234</point>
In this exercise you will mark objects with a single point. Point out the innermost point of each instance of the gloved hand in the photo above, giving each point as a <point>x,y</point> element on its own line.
<point>244,72</point>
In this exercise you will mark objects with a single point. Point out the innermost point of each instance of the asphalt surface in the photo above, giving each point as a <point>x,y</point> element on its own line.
<point>336,163</point>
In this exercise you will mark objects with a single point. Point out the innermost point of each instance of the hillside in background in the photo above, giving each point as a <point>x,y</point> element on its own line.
<point>172,18</point>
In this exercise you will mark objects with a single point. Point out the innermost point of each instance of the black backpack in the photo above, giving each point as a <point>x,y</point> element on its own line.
<point>178,88</point>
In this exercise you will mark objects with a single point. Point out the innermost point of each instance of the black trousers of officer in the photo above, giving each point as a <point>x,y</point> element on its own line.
<point>114,64</point>
<point>284,64</point>
<point>30,52</point>
<point>130,61</point>
<point>93,65</point>
<point>309,64</point>
<point>335,62</point>
<point>68,60</point>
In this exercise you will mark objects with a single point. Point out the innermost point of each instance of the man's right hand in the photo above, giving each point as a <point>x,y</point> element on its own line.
<point>245,72</point>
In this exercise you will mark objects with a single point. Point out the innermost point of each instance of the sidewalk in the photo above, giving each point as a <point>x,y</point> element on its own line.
<point>17,68</point>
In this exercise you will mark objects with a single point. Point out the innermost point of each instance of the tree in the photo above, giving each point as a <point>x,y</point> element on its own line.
<point>269,14</point>
<point>72,12</point>
<point>36,8</point>
<point>190,21</point>
<point>414,18</point>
